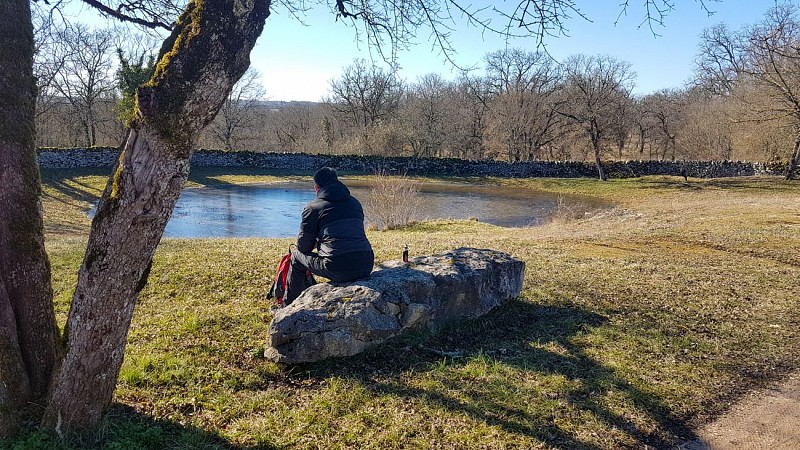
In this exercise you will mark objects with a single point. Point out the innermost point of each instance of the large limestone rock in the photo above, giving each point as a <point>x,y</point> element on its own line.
<point>343,319</point>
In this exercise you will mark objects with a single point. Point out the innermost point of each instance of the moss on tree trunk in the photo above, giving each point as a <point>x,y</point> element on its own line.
<point>27,320</point>
<point>198,66</point>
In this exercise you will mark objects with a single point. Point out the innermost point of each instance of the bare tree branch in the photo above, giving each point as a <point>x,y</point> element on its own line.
<point>124,10</point>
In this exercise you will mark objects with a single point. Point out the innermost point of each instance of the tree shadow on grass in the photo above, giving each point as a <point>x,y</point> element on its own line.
<point>126,429</point>
<point>748,184</point>
<point>65,180</point>
<point>208,176</point>
<point>528,338</point>
<point>74,190</point>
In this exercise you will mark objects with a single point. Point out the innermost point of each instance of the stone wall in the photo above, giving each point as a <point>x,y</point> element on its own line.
<point>105,157</point>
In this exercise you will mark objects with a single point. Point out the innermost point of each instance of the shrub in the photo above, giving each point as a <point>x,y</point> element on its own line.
<point>570,211</point>
<point>393,201</point>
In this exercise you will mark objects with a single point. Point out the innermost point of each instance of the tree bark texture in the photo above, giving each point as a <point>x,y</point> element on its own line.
<point>27,320</point>
<point>198,66</point>
<point>14,386</point>
<point>600,172</point>
<point>793,161</point>
<point>594,136</point>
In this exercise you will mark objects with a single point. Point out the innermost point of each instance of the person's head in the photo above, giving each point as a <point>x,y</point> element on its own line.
<point>324,177</point>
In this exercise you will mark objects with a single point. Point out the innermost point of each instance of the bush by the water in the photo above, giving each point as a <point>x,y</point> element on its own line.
<point>392,202</point>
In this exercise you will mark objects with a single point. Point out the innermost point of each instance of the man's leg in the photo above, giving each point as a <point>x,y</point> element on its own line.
<point>301,262</point>
<point>350,266</point>
<point>346,268</point>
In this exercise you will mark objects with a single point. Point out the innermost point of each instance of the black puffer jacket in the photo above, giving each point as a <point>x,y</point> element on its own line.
<point>333,223</point>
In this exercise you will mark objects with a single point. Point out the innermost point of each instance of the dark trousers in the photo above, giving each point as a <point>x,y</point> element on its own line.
<point>340,269</point>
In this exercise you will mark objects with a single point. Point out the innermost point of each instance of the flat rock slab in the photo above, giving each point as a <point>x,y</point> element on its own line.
<point>343,319</point>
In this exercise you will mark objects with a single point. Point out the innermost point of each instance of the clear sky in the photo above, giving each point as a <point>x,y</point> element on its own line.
<point>297,61</point>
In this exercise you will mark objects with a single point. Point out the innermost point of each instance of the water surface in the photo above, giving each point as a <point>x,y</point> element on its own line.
<point>273,210</point>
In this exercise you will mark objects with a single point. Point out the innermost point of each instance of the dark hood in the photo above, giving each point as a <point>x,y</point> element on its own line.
<point>334,191</point>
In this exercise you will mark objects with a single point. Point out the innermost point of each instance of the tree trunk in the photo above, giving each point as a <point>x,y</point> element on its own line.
<point>15,390</point>
<point>27,320</point>
<point>793,161</point>
<point>674,146</point>
<point>198,66</point>
<point>85,124</point>
<point>595,138</point>
<point>641,147</point>
<point>130,219</point>
<point>92,129</point>
<point>600,172</point>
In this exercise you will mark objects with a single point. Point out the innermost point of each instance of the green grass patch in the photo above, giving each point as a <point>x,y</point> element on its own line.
<point>635,325</point>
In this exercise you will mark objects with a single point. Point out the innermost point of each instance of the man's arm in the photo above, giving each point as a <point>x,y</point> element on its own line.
<point>309,227</point>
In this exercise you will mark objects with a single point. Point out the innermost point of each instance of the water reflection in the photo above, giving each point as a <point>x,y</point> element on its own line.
<point>240,211</point>
<point>273,210</point>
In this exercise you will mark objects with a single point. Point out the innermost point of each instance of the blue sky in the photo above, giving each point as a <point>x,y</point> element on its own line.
<point>297,61</point>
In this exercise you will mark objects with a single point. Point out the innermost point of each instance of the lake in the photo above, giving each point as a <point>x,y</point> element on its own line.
<point>273,210</point>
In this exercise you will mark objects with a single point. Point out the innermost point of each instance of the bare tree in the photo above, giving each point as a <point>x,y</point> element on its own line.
<point>524,90</point>
<point>389,25</point>
<point>596,88</point>
<point>768,55</point>
<point>392,201</point>
<point>365,93</point>
<point>423,114</point>
<point>642,124</point>
<point>718,63</point>
<point>297,127</point>
<point>707,127</point>
<point>364,96</point>
<point>87,76</point>
<point>665,110</point>
<point>49,57</point>
<point>326,132</point>
<point>237,116</point>
<point>195,73</point>
<point>624,124</point>
<point>755,138</point>
<point>467,115</point>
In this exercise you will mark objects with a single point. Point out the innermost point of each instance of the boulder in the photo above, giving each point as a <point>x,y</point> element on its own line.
<point>343,319</point>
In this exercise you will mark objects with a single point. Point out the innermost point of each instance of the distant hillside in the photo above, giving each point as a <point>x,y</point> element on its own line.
<point>274,104</point>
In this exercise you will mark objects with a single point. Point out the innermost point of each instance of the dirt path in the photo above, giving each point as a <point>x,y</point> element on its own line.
<point>766,419</point>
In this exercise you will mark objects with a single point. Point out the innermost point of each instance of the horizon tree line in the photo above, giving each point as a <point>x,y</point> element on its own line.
<point>524,107</point>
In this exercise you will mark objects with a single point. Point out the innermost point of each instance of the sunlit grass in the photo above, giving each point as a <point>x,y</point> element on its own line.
<point>634,325</point>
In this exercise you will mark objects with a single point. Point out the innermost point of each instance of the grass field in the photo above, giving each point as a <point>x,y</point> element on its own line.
<point>635,325</point>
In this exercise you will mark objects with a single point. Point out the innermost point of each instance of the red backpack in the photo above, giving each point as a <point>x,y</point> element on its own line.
<point>278,289</point>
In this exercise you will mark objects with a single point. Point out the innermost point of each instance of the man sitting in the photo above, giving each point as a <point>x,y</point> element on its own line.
<point>333,223</point>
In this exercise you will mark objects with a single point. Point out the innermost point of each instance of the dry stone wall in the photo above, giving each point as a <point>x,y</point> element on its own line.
<point>105,157</point>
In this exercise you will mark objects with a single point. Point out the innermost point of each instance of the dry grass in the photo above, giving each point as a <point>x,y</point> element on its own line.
<point>567,211</point>
<point>633,327</point>
<point>67,196</point>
